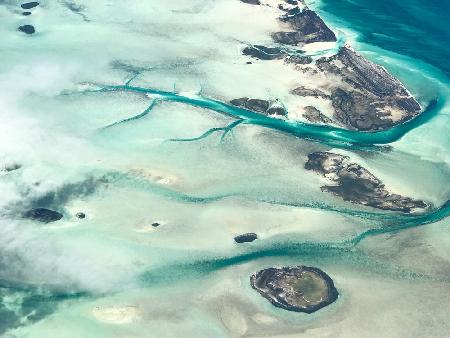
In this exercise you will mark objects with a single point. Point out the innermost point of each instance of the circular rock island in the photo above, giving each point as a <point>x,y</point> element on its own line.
<point>300,288</point>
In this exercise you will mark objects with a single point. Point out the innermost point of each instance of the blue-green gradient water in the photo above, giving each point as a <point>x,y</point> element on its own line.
<point>415,28</point>
<point>118,110</point>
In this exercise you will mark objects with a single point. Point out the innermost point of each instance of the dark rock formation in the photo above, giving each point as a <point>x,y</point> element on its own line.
<point>26,13</point>
<point>303,91</point>
<point>264,53</point>
<point>246,238</point>
<point>298,60</point>
<point>275,53</point>
<point>356,184</point>
<point>11,167</point>
<point>29,5</point>
<point>251,2</point>
<point>364,96</point>
<point>28,29</point>
<point>300,288</point>
<point>307,27</point>
<point>260,106</point>
<point>314,115</point>
<point>155,224</point>
<point>80,215</point>
<point>43,215</point>
<point>368,98</point>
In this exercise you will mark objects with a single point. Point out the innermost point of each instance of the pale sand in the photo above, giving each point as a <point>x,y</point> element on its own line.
<point>318,46</point>
<point>117,315</point>
<point>156,176</point>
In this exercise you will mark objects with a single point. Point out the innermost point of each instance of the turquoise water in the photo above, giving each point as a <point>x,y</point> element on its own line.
<point>120,112</point>
<point>415,28</point>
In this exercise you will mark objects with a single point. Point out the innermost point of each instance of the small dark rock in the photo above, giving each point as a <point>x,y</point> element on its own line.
<point>276,110</point>
<point>26,13</point>
<point>256,105</point>
<point>29,5</point>
<point>246,238</point>
<point>28,29</point>
<point>260,106</point>
<point>12,167</point>
<point>300,289</point>
<point>251,2</point>
<point>43,215</point>
<point>155,225</point>
<point>80,215</point>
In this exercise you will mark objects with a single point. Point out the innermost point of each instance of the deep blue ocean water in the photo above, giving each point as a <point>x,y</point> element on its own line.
<point>414,28</point>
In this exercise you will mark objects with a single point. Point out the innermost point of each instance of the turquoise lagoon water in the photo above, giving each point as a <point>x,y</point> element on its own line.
<point>117,110</point>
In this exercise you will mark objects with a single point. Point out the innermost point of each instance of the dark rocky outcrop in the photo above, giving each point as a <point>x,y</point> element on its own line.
<point>11,167</point>
<point>356,184</point>
<point>362,94</point>
<point>43,215</point>
<point>246,238</point>
<point>306,26</point>
<point>314,115</point>
<point>300,288</point>
<point>80,215</point>
<point>251,2</point>
<point>304,91</point>
<point>298,60</point>
<point>264,53</point>
<point>260,106</point>
<point>368,96</point>
<point>26,13</point>
<point>27,29</point>
<point>275,53</point>
<point>29,5</point>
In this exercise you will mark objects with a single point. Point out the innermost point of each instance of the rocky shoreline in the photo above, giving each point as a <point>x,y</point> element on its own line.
<point>300,288</point>
<point>356,184</point>
<point>361,95</point>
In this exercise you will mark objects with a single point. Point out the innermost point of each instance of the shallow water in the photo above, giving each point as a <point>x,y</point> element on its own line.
<point>119,111</point>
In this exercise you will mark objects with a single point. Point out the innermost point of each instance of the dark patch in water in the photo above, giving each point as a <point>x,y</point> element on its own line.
<point>58,198</point>
<point>30,5</point>
<point>76,9</point>
<point>43,215</point>
<point>29,303</point>
<point>27,29</point>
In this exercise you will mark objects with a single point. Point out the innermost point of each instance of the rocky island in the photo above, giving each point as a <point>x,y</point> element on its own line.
<point>356,184</point>
<point>300,289</point>
<point>246,238</point>
<point>357,94</point>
